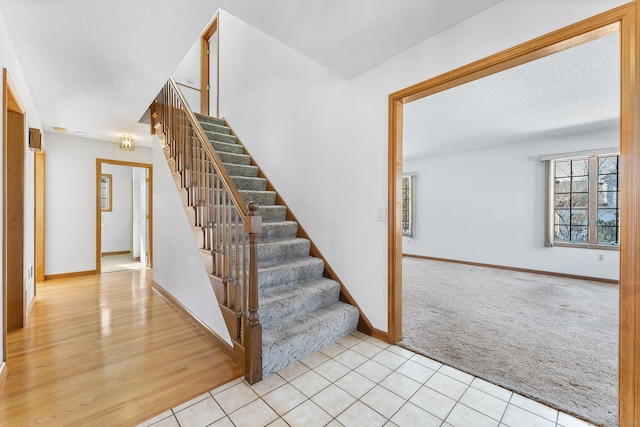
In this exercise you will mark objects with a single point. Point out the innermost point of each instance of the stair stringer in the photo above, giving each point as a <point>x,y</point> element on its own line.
<point>364,325</point>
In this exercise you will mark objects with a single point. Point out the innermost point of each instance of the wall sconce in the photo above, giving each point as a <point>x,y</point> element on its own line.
<point>127,143</point>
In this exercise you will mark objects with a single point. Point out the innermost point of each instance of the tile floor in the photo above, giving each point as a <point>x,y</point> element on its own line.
<point>360,382</point>
<point>120,262</point>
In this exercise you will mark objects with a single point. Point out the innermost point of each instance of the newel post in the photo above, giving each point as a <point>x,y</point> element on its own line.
<point>253,328</point>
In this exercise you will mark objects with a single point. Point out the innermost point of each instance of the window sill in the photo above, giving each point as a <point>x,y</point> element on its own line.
<point>586,246</point>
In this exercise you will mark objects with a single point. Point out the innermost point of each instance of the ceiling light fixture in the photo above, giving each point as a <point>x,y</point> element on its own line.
<point>59,129</point>
<point>127,143</point>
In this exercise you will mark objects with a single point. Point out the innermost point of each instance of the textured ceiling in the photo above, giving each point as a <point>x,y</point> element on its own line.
<point>95,66</point>
<point>571,91</point>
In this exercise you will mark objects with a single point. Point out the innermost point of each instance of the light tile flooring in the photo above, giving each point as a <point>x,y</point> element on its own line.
<point>120,262</point>
<point>360,382</point>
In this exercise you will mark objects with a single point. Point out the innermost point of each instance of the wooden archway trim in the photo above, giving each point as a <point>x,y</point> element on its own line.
<point>624,19</point>
<point>204,66</point>
<point>149,167</point>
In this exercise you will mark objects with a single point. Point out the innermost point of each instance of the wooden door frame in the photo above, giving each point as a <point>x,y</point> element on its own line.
<point>627,19</point>
<point>149,167</point>
<point>12,104</point>
<point>40,179</point>
<point>204,67</point>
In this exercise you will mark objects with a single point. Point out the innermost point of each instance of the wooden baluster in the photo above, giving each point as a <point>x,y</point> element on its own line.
<point>253,329</point>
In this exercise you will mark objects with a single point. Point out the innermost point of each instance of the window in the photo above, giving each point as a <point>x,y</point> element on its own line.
<point>408,193</point>
<point>584,200</point>
<point>105,192</point>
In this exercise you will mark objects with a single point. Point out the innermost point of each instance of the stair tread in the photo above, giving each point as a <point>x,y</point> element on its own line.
<point>290,263</point>
<point>305,322</point>
<point>299,336</point>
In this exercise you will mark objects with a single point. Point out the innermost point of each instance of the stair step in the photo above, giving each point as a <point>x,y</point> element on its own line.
<point>248,183</point>
<point>289,273</point>
<point>279,251</point>
<point>241,170</point>
<point>209,119</point>
<point>298,336</point>
<point>264,198</point>
<point>271,231</point>
<point>279,303</point>
<point>236,159</point>
<point>226,147</point>
<point>215,128</point>
<point>222,137</point>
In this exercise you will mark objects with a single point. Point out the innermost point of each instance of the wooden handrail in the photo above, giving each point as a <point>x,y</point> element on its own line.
<point>226,179</point>
<point>230,228</point>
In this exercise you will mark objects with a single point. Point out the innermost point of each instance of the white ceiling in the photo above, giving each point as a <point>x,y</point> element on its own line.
<point>95,66</point>
<point>576,90</point>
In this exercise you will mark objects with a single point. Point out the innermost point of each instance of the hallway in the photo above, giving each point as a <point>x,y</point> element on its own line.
<point>105,350</point>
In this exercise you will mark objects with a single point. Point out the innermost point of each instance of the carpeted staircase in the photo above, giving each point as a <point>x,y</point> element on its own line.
<point>299,308</point>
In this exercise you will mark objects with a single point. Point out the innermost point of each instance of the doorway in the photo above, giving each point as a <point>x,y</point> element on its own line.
<point>626,18</point>
<point>209,63</point>
<point>124,216</point>
<point>13,206</point>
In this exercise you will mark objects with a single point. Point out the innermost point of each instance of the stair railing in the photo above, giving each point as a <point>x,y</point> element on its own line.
<point>230,227</point>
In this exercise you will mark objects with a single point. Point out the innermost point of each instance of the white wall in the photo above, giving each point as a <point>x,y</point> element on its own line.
<point>188,73</point>
<point>9,60</point>
<point>116,224</point>
<point>487,206</point>
<point>322,140</point>
<point>177,265</point>
<point>71,199</point>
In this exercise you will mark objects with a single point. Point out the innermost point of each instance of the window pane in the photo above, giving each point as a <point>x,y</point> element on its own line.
<point>608,235</point>
<point>563,200</point>
<point>563,216</point>
<point>580,200</point>
<point>608,199</point>
<point>608,182</point>
<point>580,184</point>
<point>562,233</point>
<point>563,185</point>
<point>579,217</point>
<point>579,233</point>
<point>608,217</point>
<point>563,169</point>
<point>608,165</point>
<point>580,167</point>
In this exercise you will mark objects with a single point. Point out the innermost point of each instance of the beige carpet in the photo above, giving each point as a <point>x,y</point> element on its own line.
<point>552,339</point>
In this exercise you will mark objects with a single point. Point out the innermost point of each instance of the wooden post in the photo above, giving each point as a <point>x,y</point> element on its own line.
<point>253,329</point>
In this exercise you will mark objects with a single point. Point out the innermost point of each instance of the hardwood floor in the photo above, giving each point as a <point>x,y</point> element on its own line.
<point>105,350</point>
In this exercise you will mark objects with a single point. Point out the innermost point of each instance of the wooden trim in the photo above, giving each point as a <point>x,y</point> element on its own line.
<point>629,348</point>
<point>32,305</point>
<point>3,373</point>
<point>149,168</point>
<point>68,275</point>
<point>116,253</point>
<point>522,270</point>
<point>13,166</point>
<point>210,333</point>
<point>381,335</point>
<point>624,19</point>
<point>204,66</point>
<point>188,86</point>
<point>364,325</point>
<point>40,182</point>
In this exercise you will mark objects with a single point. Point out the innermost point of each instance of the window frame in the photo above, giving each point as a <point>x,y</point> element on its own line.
<point>411,179</point>
<point>593,157</point>
<point>106,192</point>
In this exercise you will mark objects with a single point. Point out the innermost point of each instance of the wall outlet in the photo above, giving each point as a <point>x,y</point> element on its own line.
<point>600,257</point>
<point>381,214</point>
